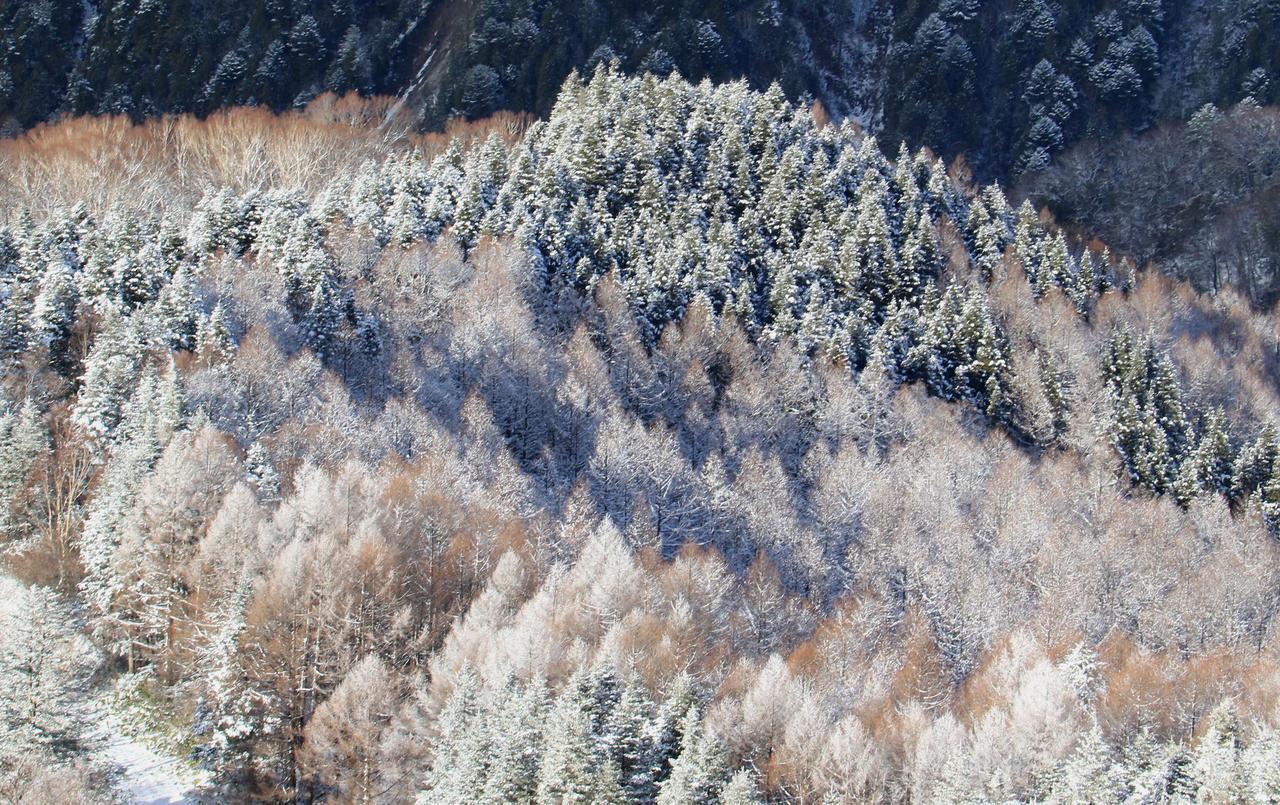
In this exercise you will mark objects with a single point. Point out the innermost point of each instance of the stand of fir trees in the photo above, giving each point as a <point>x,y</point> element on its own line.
<point>676,448</point>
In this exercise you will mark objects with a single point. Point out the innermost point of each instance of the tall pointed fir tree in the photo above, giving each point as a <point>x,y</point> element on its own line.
<point>261,473</point>
<point>1026,241</point>
<point>213,342</point>
<point>460,755</point>
<point>1255,464</point>
<point>640,760</point>
<point>572,770</point>
<point>230,716</point>
<point>986,235</point>
<point>868,261</point>
<point>1269,500</point>
<point>53,314</point>
<point>1218,768</point>
<point>23,440</point>
<point>1051,387</point>
<point>517,729</point>
<point>742,789</point>
<point>109,373</point>
<point>176,312</point>
<point>149,419</point>
<point>700,771</point>
<point>1207,468</point>
<point>18,289</point>
<point>45,670</point>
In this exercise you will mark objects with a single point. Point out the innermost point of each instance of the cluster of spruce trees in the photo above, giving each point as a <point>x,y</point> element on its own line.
<point>740,199</point>
<point>1153,433</point>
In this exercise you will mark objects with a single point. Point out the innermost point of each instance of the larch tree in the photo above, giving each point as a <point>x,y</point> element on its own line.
<point>343,736</point>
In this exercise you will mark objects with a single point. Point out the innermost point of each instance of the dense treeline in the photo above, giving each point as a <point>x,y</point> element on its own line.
<point>678,448</point>
<point>1008,84</point>
<point>108,56</point>
<point>1202,199</point>
<point>139,59</point>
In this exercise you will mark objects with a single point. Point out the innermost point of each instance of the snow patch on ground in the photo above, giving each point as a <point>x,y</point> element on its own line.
<point>11,595</point>
<point>145,776</point>
<point>145,773</point>
<point>141,773</point>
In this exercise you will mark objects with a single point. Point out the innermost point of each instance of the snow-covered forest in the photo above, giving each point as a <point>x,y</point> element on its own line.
<point>681,447</point>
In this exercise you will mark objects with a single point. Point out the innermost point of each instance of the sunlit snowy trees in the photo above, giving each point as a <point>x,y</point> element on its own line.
<point>46,667</point>
<point>677,448</point>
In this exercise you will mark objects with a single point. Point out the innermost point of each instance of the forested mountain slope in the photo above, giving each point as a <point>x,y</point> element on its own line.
<point>675,448</point>
<point>1005,83</point>
<point>1201,199</point>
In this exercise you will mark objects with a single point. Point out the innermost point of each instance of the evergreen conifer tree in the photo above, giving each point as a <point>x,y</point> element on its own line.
<point>213,341</point>
<point>742,789</point>
<point>1217,769</point>
<point>460,756</point>
<point>699,772</point>
<point>517,729</point>
<point>23,440</point>
<point>1207,468</point>
<point>109,373</point>
<point>53,313</point>
<point>573,769</point>
<point>261,474</point>
<point>1255,464</point>
<point>45,669</point>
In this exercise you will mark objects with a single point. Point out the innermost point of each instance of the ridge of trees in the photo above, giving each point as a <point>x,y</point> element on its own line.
<point>608,457</point>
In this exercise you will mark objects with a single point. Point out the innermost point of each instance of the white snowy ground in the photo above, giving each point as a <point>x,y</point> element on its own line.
<point>142,775</point>
<point>146,777</point>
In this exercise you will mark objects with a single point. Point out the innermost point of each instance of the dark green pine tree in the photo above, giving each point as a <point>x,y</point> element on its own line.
<point>53,314</point>
<point>1051,387</point>
<point>1255,464</point>
<point>1148,420</point>
<point>1207,468</point>
<point>572,770</point>
<point>941,353</point>
<point>461,756</point>
<point>1269,500</point>
<point>516,731</point>
<point>20,288</point>
<point>1153,463</point>
<point>918,259</point>
<point>634,746</point>
<point>1165,394</point>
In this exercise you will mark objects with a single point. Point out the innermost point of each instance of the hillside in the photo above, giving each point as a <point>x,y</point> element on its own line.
<point>1201,199</point>
<point>681,446</point>
<point>1007,84</point>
